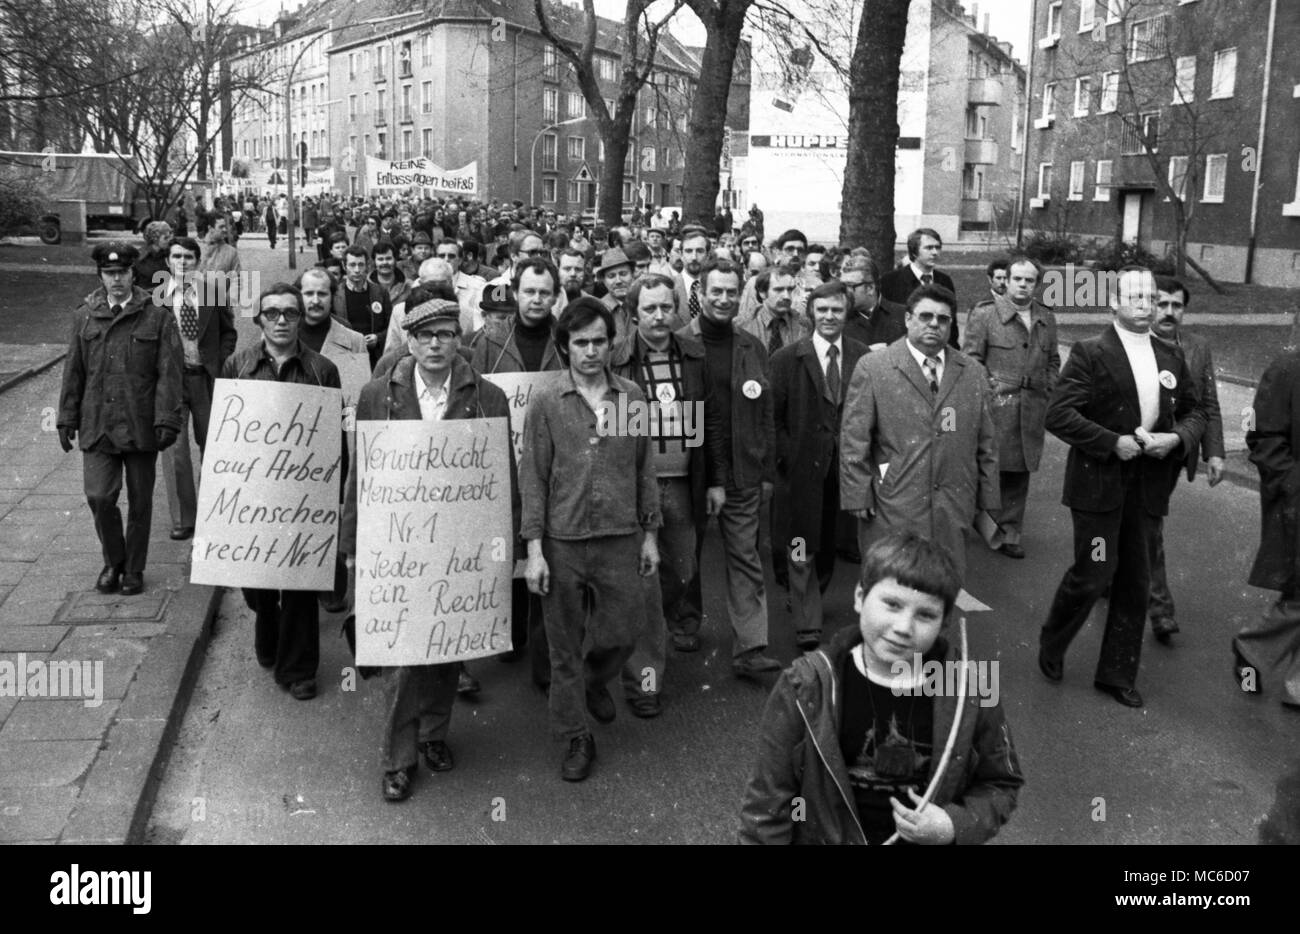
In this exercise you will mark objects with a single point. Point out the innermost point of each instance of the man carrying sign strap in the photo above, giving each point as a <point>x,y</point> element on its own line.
<point>287,635</point>
<point>433,383</point>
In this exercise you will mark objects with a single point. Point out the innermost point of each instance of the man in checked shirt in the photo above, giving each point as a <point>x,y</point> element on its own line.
<point>669,369</point>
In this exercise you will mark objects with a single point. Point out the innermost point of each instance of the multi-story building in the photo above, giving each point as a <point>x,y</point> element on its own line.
<point>460,82</point>
<point>1155,120</point>
<point>960,111</point>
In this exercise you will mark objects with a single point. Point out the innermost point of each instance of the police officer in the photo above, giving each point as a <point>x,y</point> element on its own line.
<point>122,393</point>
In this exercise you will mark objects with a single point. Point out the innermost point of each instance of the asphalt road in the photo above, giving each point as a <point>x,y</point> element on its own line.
<point>1198,765</point>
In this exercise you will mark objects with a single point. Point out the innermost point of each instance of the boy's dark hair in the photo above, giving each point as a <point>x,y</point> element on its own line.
<point>914,240</point>
<point>914,562</point>
<point>577,315</point>
<point>189,244</point>
<point>1167,284</point>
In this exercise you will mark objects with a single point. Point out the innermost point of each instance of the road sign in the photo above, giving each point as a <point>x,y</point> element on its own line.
<point>584,174</point>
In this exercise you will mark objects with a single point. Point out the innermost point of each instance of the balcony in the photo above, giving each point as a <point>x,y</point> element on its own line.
<point>404,68</point>
<point>381,119</point>
<point>984,92</point>
<point>976,211</point>
<point>981,151</point>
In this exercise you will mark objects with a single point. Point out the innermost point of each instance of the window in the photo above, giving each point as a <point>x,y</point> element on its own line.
<point>609,106</point>
<point>1146,38</point>
<point>406,102</point>
<point>1087,15</point>
<point>629,164</point>
<point>365,102</point>
<point>1044,180</point>
<point>381,148</point>
<point>628,194</point>
<point>577,148</point>
<point>1185,80</point>
<point>549,142</point>
<point>1105,171</point>
<point>1077,170</point>
<point>600,150</point>
<point>548,190</point>
<point>380,99</point>
<point>973,182</point>
<point>1017,131</point>
<point>368,150</point>
<point>352,64</point>
<point>352,145</point>
<point>977,124</point>
<point>1109,92</point>
<point>1178,177</point>
<point>1114,10</point>
<point>550,66</point>
<point>381,60</point>
<point>352,108</point>
<point>607,68</point>
<point>1216,178</point>
<point>1140,134</point>
<point>550,105</point>
<point>1049,100</point>
<point>426,97</point>
<point>1224,82</point>
<point>426,143</point>
<point>1082,96</point>
<point>650,116</point>
<point>426,49</point>
<point>1054,19</point>
<point>575,104</point>
<point>648,158</point>
<point>572,192</point>
<point>408,140</point>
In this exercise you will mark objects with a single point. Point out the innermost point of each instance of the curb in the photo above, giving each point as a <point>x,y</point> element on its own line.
<point>118,794</point>
<point>31,371</point>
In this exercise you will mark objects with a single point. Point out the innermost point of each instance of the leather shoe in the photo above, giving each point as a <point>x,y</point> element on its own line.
<point>437,756</point>
<point>807,641</point>
<point>180,534</point>
<point>579,759</point>
<point>1011,550</point>
<point>645,706</point>
<point>1052,669</point>
<point>1129,697</point>
<point>1163,627</point>
<point>466,684</point>
<point>397,785</point>
<point>132,583</point>
<point>601,704</point>
<point>332,604</point>
<point>109,579</point>
<point>1242,669</point>
<point>754,662</point>
<point>686,642</point>
<point>304,689</point>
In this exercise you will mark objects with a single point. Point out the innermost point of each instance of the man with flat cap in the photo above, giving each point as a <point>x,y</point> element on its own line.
<point>433,383</point>
<point>122,394</point>
<point>615,273</point>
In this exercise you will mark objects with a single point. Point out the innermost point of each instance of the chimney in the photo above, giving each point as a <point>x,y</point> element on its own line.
<point>986,24</point>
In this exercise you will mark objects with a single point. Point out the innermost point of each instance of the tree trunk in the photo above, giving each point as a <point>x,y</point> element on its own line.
<point>867,211</point>
<point>700,180</point>
<point>609,206</point>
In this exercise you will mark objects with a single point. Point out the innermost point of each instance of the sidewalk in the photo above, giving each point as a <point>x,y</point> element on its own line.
<point>71,772</point>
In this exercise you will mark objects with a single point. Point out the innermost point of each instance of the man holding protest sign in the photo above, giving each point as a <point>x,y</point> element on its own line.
<point>433,383</point>
<point>287,636</point>
<point>591,520</point>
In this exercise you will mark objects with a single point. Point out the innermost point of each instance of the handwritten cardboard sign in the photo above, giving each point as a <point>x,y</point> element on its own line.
<point>519,388</point>
<point>434,552</point>
<point>269,498</point>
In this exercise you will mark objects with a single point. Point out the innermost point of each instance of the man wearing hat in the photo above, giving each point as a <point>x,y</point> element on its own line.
<point>433,383</point>
<point>287,631</point>
<point>421,247</point>
<point>640,256</point>
<point>615,273</point>
<point>122,394</point>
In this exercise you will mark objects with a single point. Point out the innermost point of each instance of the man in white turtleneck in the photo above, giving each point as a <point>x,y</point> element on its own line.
<point>1124,403</point>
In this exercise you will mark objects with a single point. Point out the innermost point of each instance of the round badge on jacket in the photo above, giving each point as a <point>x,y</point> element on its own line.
<point>1167,379</point>
<point>751,389</point>
<point>666,393</point>
<point>376,307</point>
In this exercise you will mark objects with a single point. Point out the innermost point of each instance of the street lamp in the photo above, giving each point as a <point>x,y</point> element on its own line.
<point>292,150</point>
<point>532,159</point>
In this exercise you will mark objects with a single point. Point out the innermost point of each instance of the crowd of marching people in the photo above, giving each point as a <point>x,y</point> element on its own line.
<point>822,405</point>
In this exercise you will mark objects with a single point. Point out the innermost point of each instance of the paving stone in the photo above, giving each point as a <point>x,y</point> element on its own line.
<point>115,630</point>
<point>25,543</point>
<point>37,587</point>
<point>11,572</point>
<point>71,503</point>
<point>11,496</point>
<point>34,813</point>
<point>88,607</point>
<point>45,763</point>
<point>111,790</point>
<point>57,719</point>
<point>31,638</point>
<point>24,476</point>
<point>78,541</point>
<point>121,658</point>
<point>30,613</point>
<point>7,705</point>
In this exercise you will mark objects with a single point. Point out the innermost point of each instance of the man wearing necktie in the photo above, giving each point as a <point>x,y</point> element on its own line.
<point>917,447</point>
<point>807,398</point>
<point>776,322</point>
<point>122,394</point>
<point>924,246</point>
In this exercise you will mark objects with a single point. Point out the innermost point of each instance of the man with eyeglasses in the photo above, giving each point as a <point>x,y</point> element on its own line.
<point>208,337</point>
<point>433,383</point>
<point>873,320</point>
<point>287,629</point>
<point>469,288</point>
<point>918,450</point>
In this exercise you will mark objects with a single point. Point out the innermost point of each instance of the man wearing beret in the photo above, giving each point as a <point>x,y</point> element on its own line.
<point>122,394</point>
<point>434,383</point>
<point>287,634</point>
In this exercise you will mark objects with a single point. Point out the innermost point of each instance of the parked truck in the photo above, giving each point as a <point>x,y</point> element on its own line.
<point>113,200</point>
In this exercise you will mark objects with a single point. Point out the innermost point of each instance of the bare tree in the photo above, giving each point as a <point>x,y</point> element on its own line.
<point>574,37</point>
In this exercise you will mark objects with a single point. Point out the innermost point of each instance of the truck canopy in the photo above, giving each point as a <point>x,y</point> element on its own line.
<point>92,177</point>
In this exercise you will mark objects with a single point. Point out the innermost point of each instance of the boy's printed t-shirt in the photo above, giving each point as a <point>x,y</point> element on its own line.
<point>887,742</point>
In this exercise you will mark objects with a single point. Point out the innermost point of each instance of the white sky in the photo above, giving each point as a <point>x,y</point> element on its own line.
<point>1008,19</point>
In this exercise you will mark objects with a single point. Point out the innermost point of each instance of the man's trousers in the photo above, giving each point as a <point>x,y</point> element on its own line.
<point>417,709</point>
<point>811,571</point>
<point>102,480</point>
<point>287,632</point>
<point>1014,488</point>
<point>178,463</point>
<point>1275,640</point>
<point>746,597</point>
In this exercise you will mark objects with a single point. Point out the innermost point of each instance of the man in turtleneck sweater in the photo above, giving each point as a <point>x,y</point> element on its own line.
<point>1126,406</point>
<point>741,458</point>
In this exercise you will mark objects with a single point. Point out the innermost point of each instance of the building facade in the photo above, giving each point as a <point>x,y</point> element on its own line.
<point>960,109</point>
<point>1155,120</point>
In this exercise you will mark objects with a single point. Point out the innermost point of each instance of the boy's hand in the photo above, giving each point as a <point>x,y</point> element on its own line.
<point>930,826</point>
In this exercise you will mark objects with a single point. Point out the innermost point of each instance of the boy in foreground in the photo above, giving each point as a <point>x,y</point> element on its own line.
<point>847,746</point>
